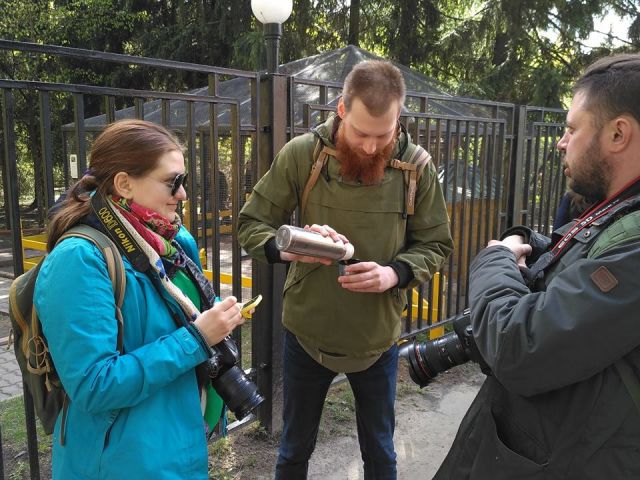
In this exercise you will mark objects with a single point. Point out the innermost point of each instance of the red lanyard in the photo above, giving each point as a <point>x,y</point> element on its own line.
<point>586,220</point>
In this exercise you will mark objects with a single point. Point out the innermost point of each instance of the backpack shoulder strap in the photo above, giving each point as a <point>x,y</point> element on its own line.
<point>115,266</point>
<point>623,230</point>
<point>320,155</point>
<point>412,169</point>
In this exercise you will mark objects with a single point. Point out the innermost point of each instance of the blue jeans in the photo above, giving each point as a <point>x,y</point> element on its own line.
<point>306,383</point>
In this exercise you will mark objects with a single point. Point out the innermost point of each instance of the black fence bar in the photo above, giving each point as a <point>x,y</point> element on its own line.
<point>10,184</point>
<point>80,133</point>
<point>516,173</point>
<point>465,217</point>
<point>474,222</point>
<point>236,266</point>
<point>93,55</point>
<point>47,148</point>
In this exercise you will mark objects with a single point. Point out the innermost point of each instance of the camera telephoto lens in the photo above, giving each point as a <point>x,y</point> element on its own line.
<point>238,392</point>
<point>427,359</point>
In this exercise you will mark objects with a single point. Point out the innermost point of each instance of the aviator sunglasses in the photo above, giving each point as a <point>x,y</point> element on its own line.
<point>175,184</point>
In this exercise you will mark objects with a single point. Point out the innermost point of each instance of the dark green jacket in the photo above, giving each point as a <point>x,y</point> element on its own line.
<point>555,407</point>
<point>315,307</point>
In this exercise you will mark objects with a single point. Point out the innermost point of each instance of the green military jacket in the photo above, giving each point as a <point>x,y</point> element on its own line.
<point>316,308</point>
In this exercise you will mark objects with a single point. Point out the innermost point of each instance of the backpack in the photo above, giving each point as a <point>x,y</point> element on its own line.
<point>30,346</point>
<point>412,172</point>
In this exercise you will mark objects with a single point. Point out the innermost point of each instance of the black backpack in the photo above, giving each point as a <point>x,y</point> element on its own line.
<point>30,346</point>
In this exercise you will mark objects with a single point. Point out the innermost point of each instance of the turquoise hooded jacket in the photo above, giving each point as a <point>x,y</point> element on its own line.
<point>135,415</point>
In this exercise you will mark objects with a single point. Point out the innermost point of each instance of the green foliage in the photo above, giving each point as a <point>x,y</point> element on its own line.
<point>526,52</point>
<point>517,51</point>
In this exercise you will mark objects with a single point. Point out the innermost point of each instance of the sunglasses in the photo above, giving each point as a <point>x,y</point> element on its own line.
<point>175,184</point>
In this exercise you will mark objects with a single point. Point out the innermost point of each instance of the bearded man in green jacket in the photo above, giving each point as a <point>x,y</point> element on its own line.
<point>381,193</point>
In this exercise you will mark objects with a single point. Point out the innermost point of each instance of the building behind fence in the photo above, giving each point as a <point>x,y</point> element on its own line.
<point>497,163</point>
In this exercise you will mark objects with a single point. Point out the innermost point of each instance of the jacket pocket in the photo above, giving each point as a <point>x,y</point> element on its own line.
<point>498,461</point>
<point>110,421</point>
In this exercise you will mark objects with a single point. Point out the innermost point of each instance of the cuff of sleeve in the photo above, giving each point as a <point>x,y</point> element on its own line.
<point>404,272</point>
<point>271,251</point>
<point>524,232</point>
<point>199,337</point>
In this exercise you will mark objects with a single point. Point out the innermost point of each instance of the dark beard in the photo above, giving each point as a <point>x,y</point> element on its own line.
<point>591,180</point>
<point>355,166</point>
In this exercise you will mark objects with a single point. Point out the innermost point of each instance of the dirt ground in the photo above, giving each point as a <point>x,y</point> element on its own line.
<point>426,423</point>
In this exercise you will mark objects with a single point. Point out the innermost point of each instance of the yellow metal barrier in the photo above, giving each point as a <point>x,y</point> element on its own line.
<point>39,243</point>
<point>227,278</point>
<point>224,214</point>
<point>33,242</point>
<point>435,303</point>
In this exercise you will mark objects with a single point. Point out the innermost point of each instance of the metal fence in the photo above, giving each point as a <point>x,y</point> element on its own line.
<point>497,164</point>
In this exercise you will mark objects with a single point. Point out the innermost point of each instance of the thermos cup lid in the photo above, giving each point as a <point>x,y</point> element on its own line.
<point>349,251</point>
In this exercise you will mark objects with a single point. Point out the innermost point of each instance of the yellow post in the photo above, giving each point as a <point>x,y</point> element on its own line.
<point>436,295</point>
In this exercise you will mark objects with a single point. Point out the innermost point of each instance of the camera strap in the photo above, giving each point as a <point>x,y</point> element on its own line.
<point>622,200</point>
<point>131,248</point>
<point>126,243</point>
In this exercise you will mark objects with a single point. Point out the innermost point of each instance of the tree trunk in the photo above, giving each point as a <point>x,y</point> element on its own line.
<point>354,23</point>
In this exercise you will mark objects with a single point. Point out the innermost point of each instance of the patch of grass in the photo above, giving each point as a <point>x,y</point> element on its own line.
<point>338,415</point>
<point>405,388</point>
<point>340,403</point>
<point>20,472</point>
<point>422,337</point>
<point>257,431</point>
<point>250,461</point>
<point>220,447</point>
<point>12,419</point>
<point>14,441</point>
<point>221,460</point>
<point>14,430</point>
<point>247,453</point>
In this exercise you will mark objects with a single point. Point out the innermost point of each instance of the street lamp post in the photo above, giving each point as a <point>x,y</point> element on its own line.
<point>272,14</point>
<point>271,135</point>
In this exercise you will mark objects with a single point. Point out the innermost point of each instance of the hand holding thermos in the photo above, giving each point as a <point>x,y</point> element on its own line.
<point>315,244</point>
<point>322,244</point>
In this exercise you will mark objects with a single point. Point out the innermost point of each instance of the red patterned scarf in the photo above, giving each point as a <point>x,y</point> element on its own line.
<point>156,230</point>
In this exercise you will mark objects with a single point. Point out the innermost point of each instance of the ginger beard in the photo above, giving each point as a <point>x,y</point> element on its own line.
<point>358,166</point>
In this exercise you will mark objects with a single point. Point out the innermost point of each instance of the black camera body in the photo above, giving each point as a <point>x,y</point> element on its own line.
<point>237,391</point>
<point>427,359</point>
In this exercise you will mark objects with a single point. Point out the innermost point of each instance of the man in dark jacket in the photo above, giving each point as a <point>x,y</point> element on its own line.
<point>557,321</point>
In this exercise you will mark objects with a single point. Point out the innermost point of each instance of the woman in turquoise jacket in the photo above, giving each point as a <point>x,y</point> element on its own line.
<point>136,414</point>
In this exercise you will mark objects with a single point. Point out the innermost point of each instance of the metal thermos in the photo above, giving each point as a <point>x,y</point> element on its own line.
<point>305,242</point>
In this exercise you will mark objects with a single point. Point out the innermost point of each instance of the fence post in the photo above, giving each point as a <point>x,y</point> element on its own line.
<point>514,200</point>
<point>11,188</point>
<point>269,279</point>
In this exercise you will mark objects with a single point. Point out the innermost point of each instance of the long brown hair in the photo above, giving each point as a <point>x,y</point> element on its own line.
<point>131,146</point>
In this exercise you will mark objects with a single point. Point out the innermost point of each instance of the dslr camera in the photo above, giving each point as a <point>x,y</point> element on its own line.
<point>236,390</point>
<point>427,359</point>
